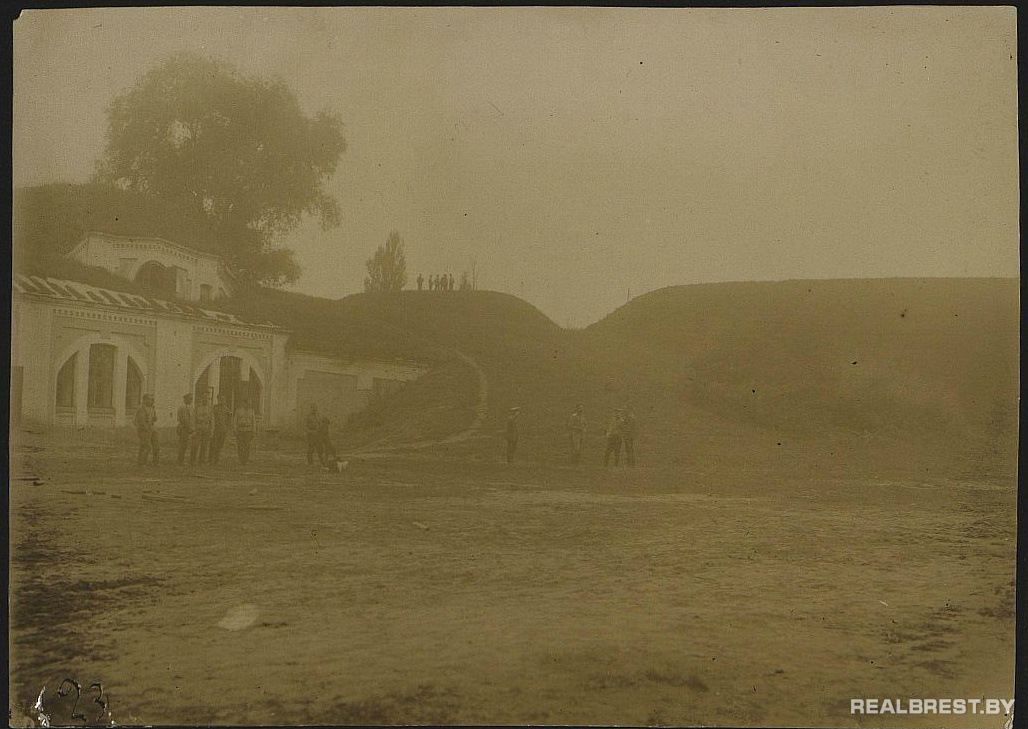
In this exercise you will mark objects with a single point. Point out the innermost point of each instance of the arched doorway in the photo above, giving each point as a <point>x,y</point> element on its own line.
<point>231,380</point>
<point>157,279</point>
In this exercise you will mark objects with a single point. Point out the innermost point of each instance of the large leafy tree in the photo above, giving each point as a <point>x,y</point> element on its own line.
<point>235,148</point>
<point>387,269</point>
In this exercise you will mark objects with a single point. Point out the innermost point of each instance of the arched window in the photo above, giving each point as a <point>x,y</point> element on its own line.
<point>133,387</point>
<point>66,384</point>
<point>157,279</point>
<point>101,376</point>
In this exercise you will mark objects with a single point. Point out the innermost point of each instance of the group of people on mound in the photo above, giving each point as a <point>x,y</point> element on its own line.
<point>440,282</point>
<point>202,430</point>
<point>620,433</point>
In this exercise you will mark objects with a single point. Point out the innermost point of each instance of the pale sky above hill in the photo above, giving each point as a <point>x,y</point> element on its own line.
<point>581,154</point>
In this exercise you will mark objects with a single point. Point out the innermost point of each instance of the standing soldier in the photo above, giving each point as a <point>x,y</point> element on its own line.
<point>246,426</point>
<point>628,430</point>
<point>328,451</point>
<point>202,417</point>
<point>222,417</point>
<point>313,426</point>
<point>512,434</point>
<point>202,434</point>
<point>576,424</point>
<point>614,431</point>
<point>146,427</point>
<point>185,427</point>
<point>449,283</point>
<point>421,281</point>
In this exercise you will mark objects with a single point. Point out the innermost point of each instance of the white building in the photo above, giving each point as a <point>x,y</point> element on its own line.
<point>83,355</point>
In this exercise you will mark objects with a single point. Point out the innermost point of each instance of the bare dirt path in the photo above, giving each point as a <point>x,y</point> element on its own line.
<point>415,591</point>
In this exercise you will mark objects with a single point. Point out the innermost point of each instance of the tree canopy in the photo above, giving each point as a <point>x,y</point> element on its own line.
<point>236,149</point>
<point>387,269</point>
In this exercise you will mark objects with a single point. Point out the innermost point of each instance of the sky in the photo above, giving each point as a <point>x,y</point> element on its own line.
<point>577,157</point>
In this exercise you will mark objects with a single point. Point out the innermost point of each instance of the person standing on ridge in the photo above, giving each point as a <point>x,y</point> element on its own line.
<point>421,281</point>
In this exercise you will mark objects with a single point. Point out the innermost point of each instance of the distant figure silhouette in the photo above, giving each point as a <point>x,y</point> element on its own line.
<point>449,286</point>
<point>576,426</point>
<point>614,431</point>
<point>628,430</point>
<point>512,434</point>
<point>421,281</point>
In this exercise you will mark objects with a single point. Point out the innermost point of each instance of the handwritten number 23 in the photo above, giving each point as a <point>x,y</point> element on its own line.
<point>100,700</point>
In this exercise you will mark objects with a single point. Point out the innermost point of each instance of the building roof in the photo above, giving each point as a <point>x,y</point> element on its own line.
<point>80,293</point>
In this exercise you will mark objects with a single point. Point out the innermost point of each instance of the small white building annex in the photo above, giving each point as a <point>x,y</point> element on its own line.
<point>163,267</point>
<point>83,355</point>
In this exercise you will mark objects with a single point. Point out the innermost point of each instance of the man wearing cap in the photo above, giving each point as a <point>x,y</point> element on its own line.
<point>614,432</point>
<point>313,427</point>
<point>576,425</point>
<point>146,428</point>
<point>185,427</point>
<point>628,430</point>
<point>512,433</point>
<point>222,417</point>
<point>202,421</point>
<point>246,426</point>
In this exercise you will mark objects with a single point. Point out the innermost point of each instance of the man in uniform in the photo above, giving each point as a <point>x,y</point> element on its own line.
<point>202,421</point>
<point>313,427</point>
<point>576,426</point>
<point>246,426</point>
<point>512,434</point>
<point>185,427</point>
<point>146,427</point>
<point>327,450</point>
<point>614,432</point>
<point>421,281</point>
<point>628,430</point>
<point>222,417</point>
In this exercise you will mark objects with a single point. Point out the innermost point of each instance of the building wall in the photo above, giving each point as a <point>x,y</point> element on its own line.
<point>171,353</point>
<point>339,388</point>
<point>30,350</point>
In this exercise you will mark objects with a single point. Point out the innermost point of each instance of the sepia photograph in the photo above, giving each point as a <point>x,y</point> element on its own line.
<point>514,366</point>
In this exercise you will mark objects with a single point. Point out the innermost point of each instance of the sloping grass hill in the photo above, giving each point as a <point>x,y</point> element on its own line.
<point>885,376</point>
<point>918,374</point>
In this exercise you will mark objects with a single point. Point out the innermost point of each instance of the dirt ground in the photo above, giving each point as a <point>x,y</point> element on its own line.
<point>415,590</point>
